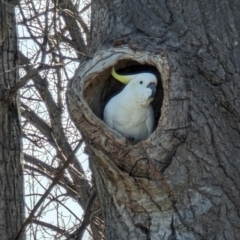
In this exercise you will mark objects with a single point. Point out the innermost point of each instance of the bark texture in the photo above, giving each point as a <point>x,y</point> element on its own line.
<point>11,177</point>
<point>183,182</point>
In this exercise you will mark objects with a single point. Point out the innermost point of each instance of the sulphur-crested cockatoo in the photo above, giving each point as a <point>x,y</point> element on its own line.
<point>130,112</point>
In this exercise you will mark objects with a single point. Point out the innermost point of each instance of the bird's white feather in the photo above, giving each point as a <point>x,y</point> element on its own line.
<point>130,112</point>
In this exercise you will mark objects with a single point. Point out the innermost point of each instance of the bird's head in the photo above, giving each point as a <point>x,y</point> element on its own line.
<point>140,87</point>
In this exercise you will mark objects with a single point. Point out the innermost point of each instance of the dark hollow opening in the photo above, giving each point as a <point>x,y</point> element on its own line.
<point>104,87</point>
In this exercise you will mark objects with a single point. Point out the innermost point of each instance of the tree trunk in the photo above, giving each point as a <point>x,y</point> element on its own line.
<point>184,181</point>
<point>11,177</point>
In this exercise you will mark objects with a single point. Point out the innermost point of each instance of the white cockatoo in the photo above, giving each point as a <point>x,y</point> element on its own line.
<point>130,112</point>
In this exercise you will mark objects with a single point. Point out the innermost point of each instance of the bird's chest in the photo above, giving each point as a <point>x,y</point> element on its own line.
<point>132,118</point>
<point>132,124</point>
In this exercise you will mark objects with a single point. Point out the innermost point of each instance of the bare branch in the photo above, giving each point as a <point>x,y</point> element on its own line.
<point>54,182</point>
<point>28,28</point>
<point>36,121</point>
<point>38,163</point>
<point>72,26</point>
<point>36,16</point>
<point>30,74</point>
<point>54,37</point>
<point>87,215</point>
<point>67,187</point>
<point>80,20</point>
<point>78,234</point>
<point>52,227</point>
<point>52,198</point>
<point>84,9</point>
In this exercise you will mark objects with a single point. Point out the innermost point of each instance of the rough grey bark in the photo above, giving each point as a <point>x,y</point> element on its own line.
<point>11,177</point>
<point>183,182</point>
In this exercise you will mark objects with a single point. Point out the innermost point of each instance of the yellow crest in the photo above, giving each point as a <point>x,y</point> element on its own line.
<point>123,79</point>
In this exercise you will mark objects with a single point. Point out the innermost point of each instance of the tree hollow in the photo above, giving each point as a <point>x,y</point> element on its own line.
<point>92,87</point>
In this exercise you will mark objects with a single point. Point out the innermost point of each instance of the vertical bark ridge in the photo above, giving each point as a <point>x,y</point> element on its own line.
<point>183,182</point>
<point>11,177</point>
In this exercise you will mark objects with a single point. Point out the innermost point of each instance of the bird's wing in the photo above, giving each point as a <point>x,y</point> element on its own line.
<point>108,114</point>
<point>115,114</point>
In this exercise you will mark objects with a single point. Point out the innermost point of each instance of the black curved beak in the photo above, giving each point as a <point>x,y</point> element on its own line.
<point>153,87</point>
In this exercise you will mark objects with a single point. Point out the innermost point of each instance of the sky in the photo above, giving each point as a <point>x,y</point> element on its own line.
<point>36,185</point>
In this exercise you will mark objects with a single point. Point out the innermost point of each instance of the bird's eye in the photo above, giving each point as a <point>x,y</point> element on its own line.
<point>141,82</point>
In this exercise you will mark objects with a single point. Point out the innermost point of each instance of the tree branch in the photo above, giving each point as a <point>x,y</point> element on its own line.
<point>78,234</point>
<point>57,132</point>
<point>87,215</point>
<point>30,74</point>
<point>54,182</point>
<point>52,227</point>
<point>53,198</point>
<point>68,186</point>
<point>73,27</point>
<point>37,122</point>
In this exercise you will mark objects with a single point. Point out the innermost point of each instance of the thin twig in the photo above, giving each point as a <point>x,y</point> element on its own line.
<point>78,234</point>
<point>54,182</point>
<point>23,81</point>
<point>87,216</point>
<point>52,227</point>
